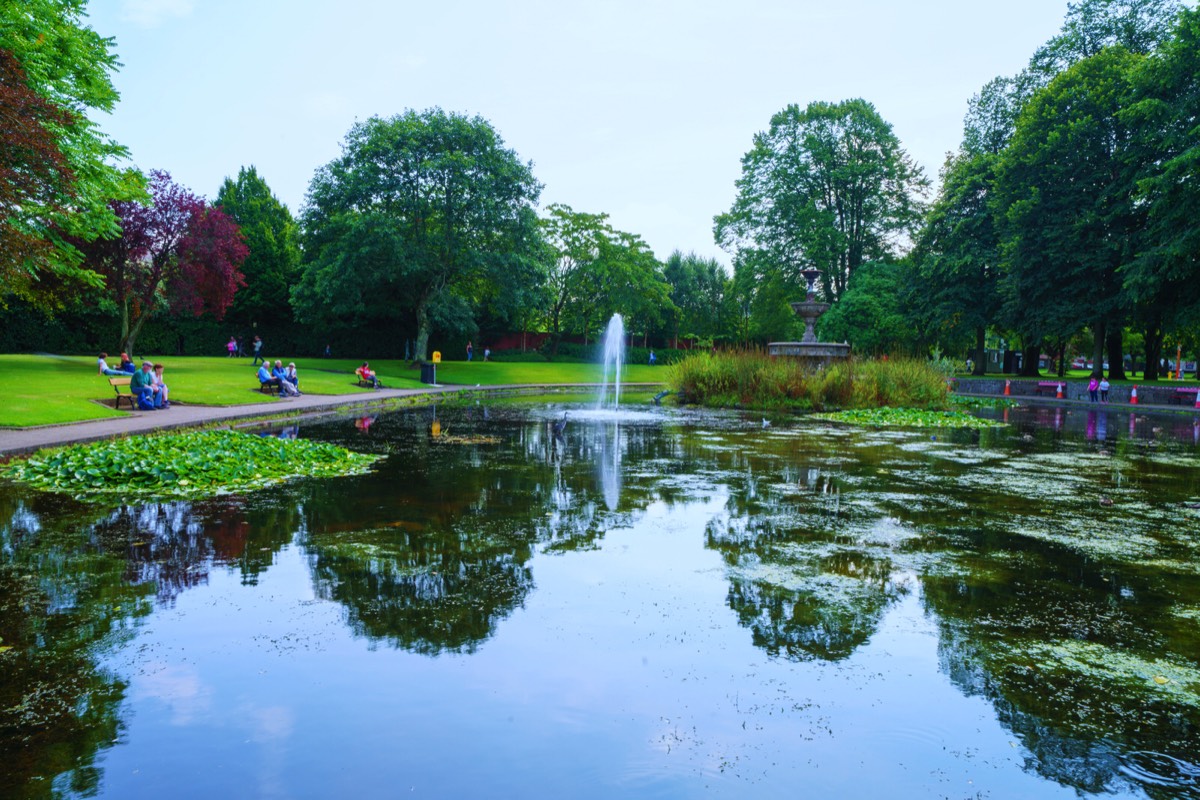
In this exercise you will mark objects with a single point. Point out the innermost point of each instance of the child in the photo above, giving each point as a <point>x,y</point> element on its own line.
<point>1104,386</point>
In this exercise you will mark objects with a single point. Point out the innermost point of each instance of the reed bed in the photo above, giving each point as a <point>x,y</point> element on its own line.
<point>752,379</point>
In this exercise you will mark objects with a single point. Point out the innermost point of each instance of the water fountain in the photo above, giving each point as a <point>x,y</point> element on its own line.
<point>808,349</point>
<point>614,359</point>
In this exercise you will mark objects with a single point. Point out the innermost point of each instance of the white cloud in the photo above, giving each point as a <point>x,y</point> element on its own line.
<point>152,13</point>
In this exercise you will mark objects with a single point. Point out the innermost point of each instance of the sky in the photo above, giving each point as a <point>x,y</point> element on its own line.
<point>641,109</point>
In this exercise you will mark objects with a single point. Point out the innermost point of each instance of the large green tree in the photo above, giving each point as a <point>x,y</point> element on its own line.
<point>1161,279</point>
<point>1064,185</point>
<point>826,187</point>
<point>417,210</point>
<point>272,237</point>
<point>68,65</point>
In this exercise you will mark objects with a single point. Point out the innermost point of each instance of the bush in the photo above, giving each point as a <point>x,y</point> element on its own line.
<point>755,380</point>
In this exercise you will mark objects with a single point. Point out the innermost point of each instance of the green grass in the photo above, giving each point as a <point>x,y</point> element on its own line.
<point>49,390</point>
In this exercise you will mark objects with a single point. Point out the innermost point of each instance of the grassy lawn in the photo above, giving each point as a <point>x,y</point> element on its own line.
<point>47,390</point>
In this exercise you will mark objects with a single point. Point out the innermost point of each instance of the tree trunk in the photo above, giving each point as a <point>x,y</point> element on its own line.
<point>1098,337</point>
<point>1116,353</point>
<point>129,333</point>
<point>980,367</point>
<point>1154,339</point>
<point>421,349</point>
<point>1030,355</point>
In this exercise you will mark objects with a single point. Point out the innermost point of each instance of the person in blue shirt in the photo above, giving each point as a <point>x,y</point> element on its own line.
<point>267,379</point>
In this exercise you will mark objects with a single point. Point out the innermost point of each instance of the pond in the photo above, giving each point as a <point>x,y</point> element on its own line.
<point>653,604</point>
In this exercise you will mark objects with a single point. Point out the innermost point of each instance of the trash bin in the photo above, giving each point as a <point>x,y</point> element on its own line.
<point>427,372</point>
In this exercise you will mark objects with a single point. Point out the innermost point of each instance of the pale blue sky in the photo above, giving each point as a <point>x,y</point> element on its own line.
<point>641,109</point>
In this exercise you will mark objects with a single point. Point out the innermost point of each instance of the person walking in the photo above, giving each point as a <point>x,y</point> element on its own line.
<point>257,351</point>
<point>231,346</point>
<point>470,351</point>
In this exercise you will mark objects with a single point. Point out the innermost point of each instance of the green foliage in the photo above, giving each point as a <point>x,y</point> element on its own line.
<point>70,65</point>
<point>184,465</point>
<point>754,380</point>
<point>907,418</point>
<point>874,313</point>
<point>827,187</point>
<point>698,291</point>
<point>272,236</point>
<point>419,209</point>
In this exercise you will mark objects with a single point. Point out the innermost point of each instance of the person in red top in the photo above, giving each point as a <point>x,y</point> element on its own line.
<point>367,375</point>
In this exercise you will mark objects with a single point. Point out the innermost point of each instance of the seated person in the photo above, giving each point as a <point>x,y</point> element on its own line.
<point>102,365</point>
<point>127,365</point>
<point>367,375</point>
<point>285,386</point>
<point>141,386</point>
<point>290,375</point>
<point>267,379</point>
<point>162,387</point>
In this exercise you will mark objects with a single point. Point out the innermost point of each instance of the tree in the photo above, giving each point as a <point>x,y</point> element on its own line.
<point>272,237</point>
<point>33,175</point>
<point>177,253</point>
<point>872,314</point>
<point>698,289</point>
<point>958,255</point>
<point>1070,222</point>
<point>419,208</point>
<point>573,240</point>
<point>1161,279</point>
<point>827,187</point>
<point>68,65</point>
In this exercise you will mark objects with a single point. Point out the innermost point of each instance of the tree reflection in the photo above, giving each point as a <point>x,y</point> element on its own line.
<point>63,602</point>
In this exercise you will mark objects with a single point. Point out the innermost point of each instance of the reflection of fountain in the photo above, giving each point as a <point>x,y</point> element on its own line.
<point>808,349</point>
<point>609,463</point>
<point>614,357</point>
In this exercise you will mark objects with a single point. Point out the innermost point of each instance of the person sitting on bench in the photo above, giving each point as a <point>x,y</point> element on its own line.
<point>265,378</point>
<point>367,375</point>
<point>141,386</point>
<point>285,386</point>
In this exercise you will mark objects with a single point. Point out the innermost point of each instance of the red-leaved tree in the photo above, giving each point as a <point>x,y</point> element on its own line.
<point>35,179</point>
<point>176,254</point>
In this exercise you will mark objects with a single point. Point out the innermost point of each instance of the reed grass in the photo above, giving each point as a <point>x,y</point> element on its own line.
<point>752,379</point>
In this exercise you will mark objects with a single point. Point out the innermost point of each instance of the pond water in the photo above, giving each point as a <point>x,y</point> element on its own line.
<point>654,604</point>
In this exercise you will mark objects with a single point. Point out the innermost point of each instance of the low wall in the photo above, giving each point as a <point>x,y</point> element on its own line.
<point>1072,390</point>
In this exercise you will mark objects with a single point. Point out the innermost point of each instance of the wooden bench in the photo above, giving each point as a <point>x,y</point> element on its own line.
<point>116,384</point>
<point>1048,386</point>
<point>1177,397</point>
<point>267,388</point>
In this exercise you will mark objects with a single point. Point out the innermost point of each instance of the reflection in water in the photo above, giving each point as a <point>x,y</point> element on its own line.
<point>1063,615</point>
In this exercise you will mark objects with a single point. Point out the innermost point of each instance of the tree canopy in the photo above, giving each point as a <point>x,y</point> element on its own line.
<point>417,210</point>
<point>69,66</point>
<point>177,253</point>
<point>273,241</point>
<point>827,187</point>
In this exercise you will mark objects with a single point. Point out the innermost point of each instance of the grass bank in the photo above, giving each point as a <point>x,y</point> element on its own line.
<point>51,390</point>
<point>754,380</point>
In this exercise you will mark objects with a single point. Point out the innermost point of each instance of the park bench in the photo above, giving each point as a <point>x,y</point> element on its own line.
<point>117,384</point>
<point>267,388</point>
<point>1048,386</point>
<point>1178,396</point>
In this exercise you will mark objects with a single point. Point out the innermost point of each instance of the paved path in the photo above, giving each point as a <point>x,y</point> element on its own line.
<point>186,416</point>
